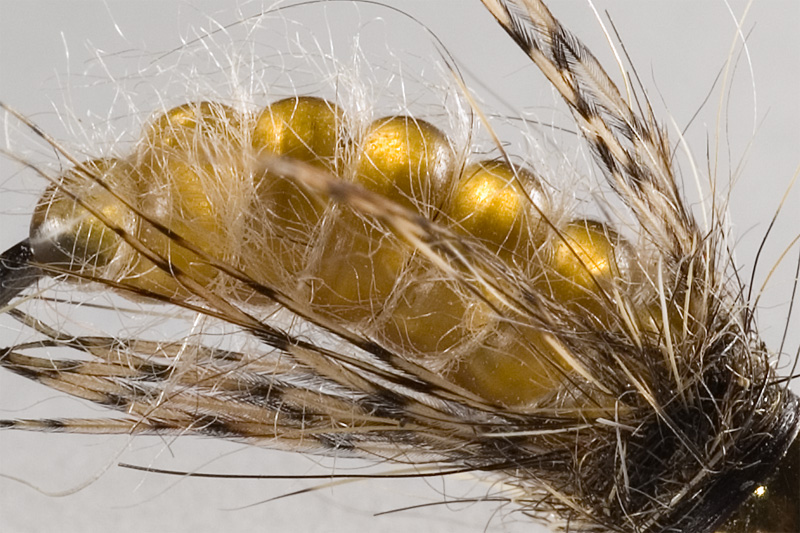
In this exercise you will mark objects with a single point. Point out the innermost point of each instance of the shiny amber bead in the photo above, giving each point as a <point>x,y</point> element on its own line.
<point>433,317</point>
<point>491,204</point>
<point>191,171</point>
<point>407,160</point>
<point>357,269</point>
<point>588,261</point>
<point>286,214</point>
<point>194,126</point>
<point>190,166</point>
<point>305,128</point>
<point>65,234</point>
<point>192,181</point>
<point>186,203</point>
<point>514,366</point>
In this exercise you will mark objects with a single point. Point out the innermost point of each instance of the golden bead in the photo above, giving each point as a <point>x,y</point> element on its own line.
<point>588,261</point>
<point>514,366</point>
<point>286,214</point>
<point>491,204</point>
<point>357,269</point>
<point>586,256</point>
<point>193,126</point>
<point>65,234</point>
<point>305,128</point>
<point>191,165</point>
<point>432,317</point>
<point>192,180</point>
<point>407,160</point>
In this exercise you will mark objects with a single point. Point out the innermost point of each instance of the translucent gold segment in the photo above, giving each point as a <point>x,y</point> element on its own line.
<point>510,365</point>
<point>587,262</point>
<point>514,366</point>
<point>191,173</point>
<point>305,128</point>
<point>517,364</point>
<point>286,214</point>
<point>65,234</point>
<point>408,161</point>
<point>491,204</point>
<point>194,127</point>
<point>431,317</point>
<point>357,269</point>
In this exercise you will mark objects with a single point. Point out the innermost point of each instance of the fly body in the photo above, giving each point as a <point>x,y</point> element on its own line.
<point>316,228</point>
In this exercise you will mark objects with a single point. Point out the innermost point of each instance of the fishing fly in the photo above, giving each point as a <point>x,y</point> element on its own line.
<point>288,250</point>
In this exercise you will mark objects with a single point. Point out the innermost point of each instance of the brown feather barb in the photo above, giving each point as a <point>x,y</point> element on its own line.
<point>363,280</point>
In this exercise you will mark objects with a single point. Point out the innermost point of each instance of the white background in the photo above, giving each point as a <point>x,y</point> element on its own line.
<point>678,49</point>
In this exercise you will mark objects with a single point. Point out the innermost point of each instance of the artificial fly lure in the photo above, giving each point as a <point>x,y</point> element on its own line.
<point>409,290</point>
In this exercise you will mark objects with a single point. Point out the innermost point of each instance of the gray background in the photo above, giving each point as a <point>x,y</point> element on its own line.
<point>678,49</point>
